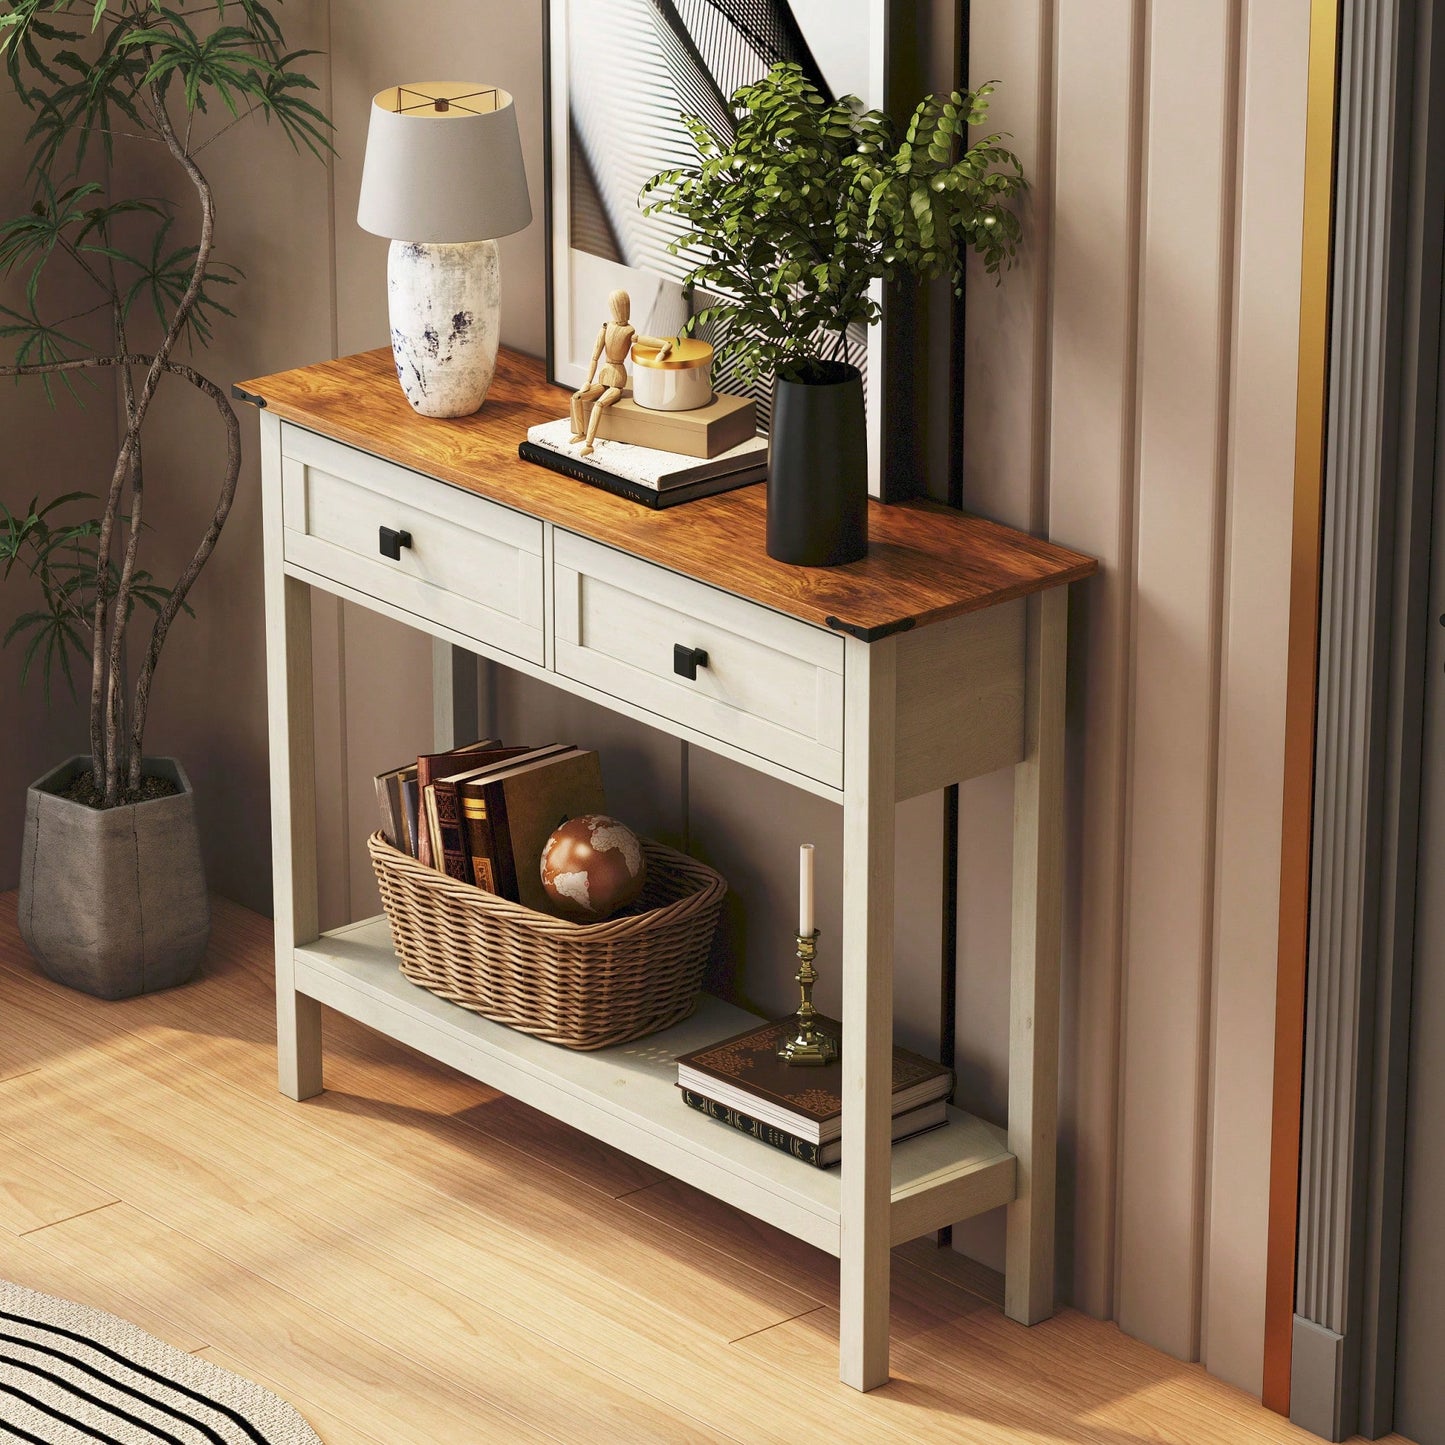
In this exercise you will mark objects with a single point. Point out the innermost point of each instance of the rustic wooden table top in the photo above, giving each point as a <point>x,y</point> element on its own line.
<point>925,561</point>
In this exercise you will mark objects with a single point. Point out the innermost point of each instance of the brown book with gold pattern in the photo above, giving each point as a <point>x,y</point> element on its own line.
<point>428,767</point>
<point>745,1073</point>
<point>489,865</point>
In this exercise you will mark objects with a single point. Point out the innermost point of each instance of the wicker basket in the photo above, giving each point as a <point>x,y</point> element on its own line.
<point>582,985</point>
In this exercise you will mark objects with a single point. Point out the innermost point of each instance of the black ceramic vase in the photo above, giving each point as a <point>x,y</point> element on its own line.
<point>818,466</point>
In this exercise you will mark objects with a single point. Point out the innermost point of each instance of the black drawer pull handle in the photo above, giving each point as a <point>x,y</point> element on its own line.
<point>687,660</point>
<point>392,542</point>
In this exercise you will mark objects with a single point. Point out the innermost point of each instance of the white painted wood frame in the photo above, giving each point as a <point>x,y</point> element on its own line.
<point>1033,1082</point>
<point>293,783</point>
<point>870,711</point>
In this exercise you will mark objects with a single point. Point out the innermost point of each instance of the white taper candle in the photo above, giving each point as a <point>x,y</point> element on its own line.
<point>805,889</point>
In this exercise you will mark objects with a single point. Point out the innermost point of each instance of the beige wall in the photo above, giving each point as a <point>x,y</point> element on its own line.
<point>45,452</point>
<point>1130,388</point>
<point>1132,391</point>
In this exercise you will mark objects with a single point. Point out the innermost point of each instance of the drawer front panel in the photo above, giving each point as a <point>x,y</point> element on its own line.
<point>471,565</point>
<point>771,685</point>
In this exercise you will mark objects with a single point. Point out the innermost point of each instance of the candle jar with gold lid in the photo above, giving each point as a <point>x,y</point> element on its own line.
<point>679,381</point>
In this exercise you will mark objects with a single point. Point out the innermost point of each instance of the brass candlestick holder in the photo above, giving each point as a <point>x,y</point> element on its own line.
<point>812,1046</point>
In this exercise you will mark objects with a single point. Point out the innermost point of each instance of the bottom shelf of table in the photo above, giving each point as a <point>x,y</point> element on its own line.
<point>628,1097</point>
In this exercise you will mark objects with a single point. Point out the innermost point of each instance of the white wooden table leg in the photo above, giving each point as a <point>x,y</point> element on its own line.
<point>454,696</point>
<point>868,827</point>
<point>293,791</point>
<point>1033,1087</point>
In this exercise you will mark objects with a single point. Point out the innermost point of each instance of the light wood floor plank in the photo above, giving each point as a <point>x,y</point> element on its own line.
<point>650,1339</point>
<point>592,1162</point>
<point>36,1191</point>
<point>414,1257</point>
<point>298,1221</point>
<point>633,1319</point>
<point>361,1062</point>
<point>427,1142</point>
<point>313,1259</point>
<point>662,1316</point>
<point>949,1400</point>
<point>968,1274</point>
<point>1074,1379</point>
<point>332,1428</point>
<point>239,1041</point>
<point>144,1108</point>
<point>971,1394</point>
<point>314,1354</point>
<point>922,1299</point>
<point>226,1019</point>
<point>24,1262</point>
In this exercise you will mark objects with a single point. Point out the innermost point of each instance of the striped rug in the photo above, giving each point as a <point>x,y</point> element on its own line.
<point>72,1374</point>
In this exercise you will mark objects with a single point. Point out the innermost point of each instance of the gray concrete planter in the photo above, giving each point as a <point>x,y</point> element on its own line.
<point>113,901</point>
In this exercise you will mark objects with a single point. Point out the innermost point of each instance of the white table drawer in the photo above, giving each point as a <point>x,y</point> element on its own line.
<point>772,685</point>
<point>472,565</point>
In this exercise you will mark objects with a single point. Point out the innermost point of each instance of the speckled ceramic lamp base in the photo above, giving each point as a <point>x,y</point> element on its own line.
<point>445,303</point>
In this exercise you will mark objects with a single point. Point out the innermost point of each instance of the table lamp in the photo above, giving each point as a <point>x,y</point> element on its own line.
<point>443,178</point>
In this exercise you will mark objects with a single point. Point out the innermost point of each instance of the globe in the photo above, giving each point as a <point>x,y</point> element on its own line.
<point>592,866</point>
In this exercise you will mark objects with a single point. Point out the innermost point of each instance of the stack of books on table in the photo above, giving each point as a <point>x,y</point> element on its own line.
<point>644,474</point>
<point>742,1082</point>
<point>483,812</point>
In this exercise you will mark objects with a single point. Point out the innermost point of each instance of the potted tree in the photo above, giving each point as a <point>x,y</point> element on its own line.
<point>112,888</point>
<point>791,218</point>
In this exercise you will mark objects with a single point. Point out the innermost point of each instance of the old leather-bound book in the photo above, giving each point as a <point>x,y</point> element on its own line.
<point>476,839</point>
<point>820,1156</point>
<point>430,766</point>
<point>522,803</point>
<point>745,1073</point>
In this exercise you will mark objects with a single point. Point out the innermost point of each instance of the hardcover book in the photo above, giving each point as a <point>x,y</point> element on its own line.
<point>388,804</point>
<point>905,1126</point>
<point>396,799</point>
<point>487,866</point>
<point>410,810</point>
<point>444,828</point>
<point>745,1073</point>
<point>703,431</point>
<point>522,803</point>
<point>645,466</point>
<point>428,767</point>
<point>580,469</point>
<point>455,859</point>
<point>490,869</point>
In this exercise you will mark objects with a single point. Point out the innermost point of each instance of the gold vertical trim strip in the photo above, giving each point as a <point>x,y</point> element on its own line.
<point>1311,414</point>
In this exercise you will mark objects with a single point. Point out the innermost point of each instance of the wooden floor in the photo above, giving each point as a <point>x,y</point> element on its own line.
<point>411,1257</point>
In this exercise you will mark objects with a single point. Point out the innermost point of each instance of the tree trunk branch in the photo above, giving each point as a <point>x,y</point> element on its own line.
<point>120,607</point>
<point>173,604</point>
<point>177,597</point>
<point>116,681</point>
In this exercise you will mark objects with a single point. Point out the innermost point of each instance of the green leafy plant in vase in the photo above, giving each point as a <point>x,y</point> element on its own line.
<point>790,220</point>
<point>112,888</point>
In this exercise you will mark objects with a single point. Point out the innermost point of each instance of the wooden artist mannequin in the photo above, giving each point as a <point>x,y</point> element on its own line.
<point>605,384</point>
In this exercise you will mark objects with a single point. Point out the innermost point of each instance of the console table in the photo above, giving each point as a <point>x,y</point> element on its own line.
<point>937,658</point>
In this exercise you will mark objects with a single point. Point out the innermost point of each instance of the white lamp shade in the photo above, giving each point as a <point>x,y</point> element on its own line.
<point>443,164</point>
